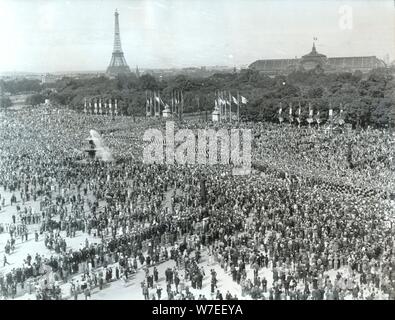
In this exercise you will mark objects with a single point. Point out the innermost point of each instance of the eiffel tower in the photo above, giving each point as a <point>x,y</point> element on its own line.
<point>118,63</point>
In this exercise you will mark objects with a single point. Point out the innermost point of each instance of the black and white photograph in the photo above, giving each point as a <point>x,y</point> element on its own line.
<point>221,150</point>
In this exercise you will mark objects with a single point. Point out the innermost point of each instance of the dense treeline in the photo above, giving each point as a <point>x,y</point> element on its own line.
<point>5,102</point>
<point>21,86</point>
<point>366,99</point>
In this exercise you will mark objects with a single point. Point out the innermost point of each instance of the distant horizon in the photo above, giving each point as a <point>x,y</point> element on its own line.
<point>160,68</point>
<point>104,70</point>
<point>61,37</point>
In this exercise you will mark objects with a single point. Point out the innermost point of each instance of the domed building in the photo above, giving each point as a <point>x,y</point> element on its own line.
<point>315,60</point>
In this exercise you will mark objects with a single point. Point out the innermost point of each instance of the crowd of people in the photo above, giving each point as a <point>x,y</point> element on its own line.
<point>361,159</point>
<point>314,220</point>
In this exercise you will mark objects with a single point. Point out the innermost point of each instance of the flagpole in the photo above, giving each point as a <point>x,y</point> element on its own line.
<point>219,105</point>
<point>299,115</point>
<point>150,103</point>
<point>172,103</point>
<point>156,103</point>
<point>280,111</point>
<point>226,108</point>
<point>238,106</point>
<point>200,111</point>
<point>176,107</point>
<point>205,109</point>
<point>159,103</point>
<point>225,105</point>
<point>230,107</point>
<point>179,105</point>
<point>153,102</point>
<point>182,105</point>
<point>222,104</point>
<point>146,103</point>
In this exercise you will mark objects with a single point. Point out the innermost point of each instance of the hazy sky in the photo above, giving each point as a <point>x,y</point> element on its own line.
<point>61,35</point>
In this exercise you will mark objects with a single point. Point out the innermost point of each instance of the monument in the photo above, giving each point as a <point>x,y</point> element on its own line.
<point>118,63</point>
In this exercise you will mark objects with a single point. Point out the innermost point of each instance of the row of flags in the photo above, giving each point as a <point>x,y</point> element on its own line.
<point>223,103</point>
<point>154,103</point>
<point>311,116</point>
<point>97,107</point>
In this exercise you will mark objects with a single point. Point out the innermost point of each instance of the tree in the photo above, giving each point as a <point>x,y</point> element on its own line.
<point>5,102</point>
<point>315,92</point>
<point>57,98</point>
<point>35,99</point>
<point>364,101</point>
<point>22,85</point>
<point>148,82</point>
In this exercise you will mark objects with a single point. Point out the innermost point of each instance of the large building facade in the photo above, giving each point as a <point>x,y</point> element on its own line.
<point>313,59</point>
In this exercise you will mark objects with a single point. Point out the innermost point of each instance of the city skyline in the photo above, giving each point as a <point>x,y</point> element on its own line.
<point>71,36</point>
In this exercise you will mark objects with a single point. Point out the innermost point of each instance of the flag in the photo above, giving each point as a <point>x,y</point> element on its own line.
<point>235,100</point>
<point>280,110</point>
<point>310,113</point>
<point>227,102</point>
<point>157,99</point>
<point>243,100</point>
<point>341,120</point>
<point>330,112</point>
<point>290,111</point>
